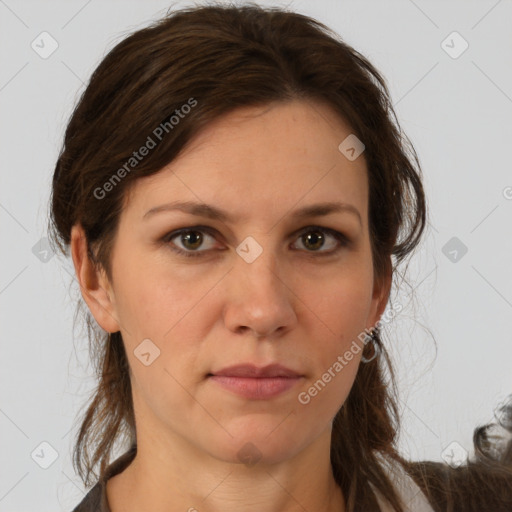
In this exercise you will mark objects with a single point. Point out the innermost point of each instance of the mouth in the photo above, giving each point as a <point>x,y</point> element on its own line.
<point>256,383</point>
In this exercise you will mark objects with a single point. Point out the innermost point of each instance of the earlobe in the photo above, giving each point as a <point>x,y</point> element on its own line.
<point>94,284</point>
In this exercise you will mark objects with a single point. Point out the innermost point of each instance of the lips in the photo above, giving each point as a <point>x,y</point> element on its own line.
<point>256,383</point>
<point>250,370</point>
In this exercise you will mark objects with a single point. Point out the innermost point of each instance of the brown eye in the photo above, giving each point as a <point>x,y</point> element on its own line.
<point>188,241</point>
<point>314,239</point>
<point>191,239</point>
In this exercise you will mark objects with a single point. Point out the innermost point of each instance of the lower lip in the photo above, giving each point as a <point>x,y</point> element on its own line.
<point>256,388</point>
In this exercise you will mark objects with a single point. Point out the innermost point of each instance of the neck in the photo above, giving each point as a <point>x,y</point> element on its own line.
<point>169,474</point>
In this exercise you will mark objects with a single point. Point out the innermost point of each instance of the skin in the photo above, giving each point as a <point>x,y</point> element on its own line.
<point>292,305</point>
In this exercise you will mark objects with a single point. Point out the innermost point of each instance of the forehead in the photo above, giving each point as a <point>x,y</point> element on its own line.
<point>262,160</point>
<point>290,130</point>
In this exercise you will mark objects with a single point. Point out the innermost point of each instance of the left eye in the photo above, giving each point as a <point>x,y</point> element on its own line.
<point>313,239</point>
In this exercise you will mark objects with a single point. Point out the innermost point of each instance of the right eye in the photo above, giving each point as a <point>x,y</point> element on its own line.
<point>191,239</point>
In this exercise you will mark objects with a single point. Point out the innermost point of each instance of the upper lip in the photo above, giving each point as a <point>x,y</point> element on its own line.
<point>251,370</point>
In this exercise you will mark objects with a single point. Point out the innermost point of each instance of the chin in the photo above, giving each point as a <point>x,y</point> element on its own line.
<point>265,444</point>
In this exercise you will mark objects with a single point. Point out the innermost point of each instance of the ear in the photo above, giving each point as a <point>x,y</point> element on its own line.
<point>381,290</point>
<point>94,285</point>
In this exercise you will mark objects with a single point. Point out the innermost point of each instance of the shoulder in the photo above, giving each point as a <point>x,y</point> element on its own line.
<point>96,499</point>
<point>475,486</point>
<point>410,494</point>
<point>92,500</point>
<point>481,484</point>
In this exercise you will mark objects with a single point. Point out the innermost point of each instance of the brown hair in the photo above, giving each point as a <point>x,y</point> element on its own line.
<point>218,58</point>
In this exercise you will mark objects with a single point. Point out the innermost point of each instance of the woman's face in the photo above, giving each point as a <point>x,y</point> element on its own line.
<point>263,284</point>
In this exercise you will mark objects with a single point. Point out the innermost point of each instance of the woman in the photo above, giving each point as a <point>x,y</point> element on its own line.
<point>232,187</point>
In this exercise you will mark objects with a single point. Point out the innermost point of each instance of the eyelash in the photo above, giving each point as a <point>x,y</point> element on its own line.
<point>340,237</point>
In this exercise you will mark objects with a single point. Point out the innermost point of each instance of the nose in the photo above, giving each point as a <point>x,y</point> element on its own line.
<point>259,299</point>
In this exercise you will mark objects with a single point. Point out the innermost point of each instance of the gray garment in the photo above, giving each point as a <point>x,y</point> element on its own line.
<point>412,497</point>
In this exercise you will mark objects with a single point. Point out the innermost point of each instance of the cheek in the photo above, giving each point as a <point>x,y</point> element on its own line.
<point>338,310</point>
<point>336,317</point>
<point>176,317</point>
<point>150,302</point>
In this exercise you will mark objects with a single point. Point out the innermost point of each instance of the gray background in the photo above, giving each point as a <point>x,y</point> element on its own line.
<point>452,341</point>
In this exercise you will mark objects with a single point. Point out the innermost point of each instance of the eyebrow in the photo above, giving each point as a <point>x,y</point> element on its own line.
<point>212,212</point>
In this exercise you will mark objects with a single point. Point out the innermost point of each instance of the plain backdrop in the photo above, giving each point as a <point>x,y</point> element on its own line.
<point>451,342</point>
